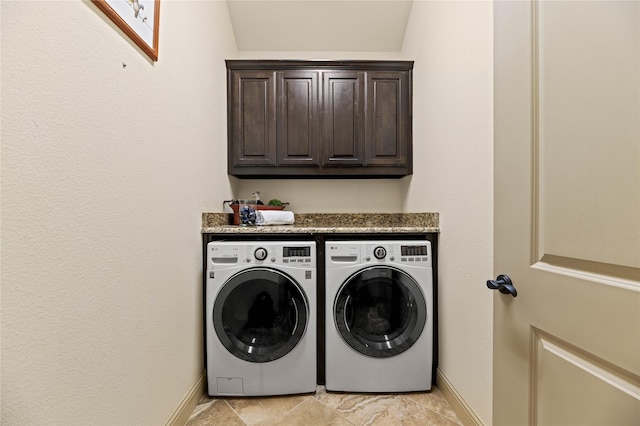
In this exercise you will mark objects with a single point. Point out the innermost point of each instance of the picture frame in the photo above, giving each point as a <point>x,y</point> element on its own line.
<point>138,19</point>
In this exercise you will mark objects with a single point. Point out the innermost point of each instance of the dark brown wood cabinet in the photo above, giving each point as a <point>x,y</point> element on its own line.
<point>311,119</point>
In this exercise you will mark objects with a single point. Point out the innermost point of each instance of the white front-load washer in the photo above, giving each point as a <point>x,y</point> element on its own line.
<point>260,301</point>
<point>379,316</point>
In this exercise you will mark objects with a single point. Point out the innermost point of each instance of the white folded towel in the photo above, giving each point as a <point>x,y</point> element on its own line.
<point>274,217</point>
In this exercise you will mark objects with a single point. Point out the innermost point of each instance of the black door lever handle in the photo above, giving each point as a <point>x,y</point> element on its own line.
<point>503,284</point>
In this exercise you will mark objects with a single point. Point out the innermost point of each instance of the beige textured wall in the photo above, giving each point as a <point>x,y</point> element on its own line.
<point>453,139</point>
<point>105,173</point>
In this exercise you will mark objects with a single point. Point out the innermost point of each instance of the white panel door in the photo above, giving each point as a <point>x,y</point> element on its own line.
<point>567,212</point>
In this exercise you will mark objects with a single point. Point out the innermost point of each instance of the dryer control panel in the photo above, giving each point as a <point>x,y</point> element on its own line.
<point>415,253</point>
<point>418,252</point>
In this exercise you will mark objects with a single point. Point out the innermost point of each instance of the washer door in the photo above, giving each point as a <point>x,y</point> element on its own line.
<point>380,311</point>
<point>260,314</point>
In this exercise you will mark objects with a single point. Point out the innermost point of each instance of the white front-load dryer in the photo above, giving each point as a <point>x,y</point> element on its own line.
<point>379,316</point>
<point>260,301</point>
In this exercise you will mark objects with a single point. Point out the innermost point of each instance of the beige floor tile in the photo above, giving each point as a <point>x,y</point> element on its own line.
<point>357,408</point>
<point>435,401</point>
<point>216,412</point>
<point>407,412</point>
<point>203,405</point>
<point>312,413</point>
<point>264,410</point>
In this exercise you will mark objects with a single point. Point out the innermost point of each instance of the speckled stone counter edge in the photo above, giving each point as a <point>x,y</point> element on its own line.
<point>331,223</point>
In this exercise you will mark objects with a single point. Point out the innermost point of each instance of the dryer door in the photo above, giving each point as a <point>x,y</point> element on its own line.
<point>380,311</point>
<point>260,314</point>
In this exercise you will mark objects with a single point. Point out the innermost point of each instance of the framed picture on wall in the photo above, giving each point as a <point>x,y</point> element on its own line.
<point>138,19</point>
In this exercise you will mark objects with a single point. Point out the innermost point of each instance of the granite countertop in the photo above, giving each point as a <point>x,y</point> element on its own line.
<point>330,223</point>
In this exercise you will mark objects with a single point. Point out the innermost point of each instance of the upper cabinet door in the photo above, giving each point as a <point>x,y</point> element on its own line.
<point>343,118</point>
<point>297,118</point>
<point>252,114</point>
<point>389,119</point>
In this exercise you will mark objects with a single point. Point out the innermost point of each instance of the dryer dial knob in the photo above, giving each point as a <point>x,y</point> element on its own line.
<point>260,253</point>
<point>379,252</point>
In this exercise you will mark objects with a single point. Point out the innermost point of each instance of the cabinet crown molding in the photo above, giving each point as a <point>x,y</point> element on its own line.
<point>286,64</point>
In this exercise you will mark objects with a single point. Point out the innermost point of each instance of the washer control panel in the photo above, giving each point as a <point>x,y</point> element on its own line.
<point>222,255</point>
<point>296,254</point>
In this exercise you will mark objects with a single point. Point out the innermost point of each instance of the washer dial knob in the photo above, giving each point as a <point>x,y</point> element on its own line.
<point>379,252</point>
<point>260,253</point>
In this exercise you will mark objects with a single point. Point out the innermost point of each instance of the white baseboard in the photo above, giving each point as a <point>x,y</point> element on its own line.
<point>457,402</point>
<point>182,413</point>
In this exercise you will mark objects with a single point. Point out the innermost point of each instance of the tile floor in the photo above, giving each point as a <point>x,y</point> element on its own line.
<point>328,408</point>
